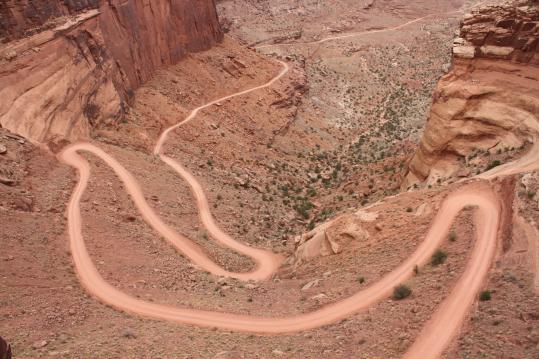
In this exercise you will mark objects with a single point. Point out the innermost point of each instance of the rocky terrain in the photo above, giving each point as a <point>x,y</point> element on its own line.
<point>340,167</point>
<point>485,110</point>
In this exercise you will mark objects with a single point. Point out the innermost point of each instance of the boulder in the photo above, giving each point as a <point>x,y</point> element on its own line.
<point>465,52</point>
<point>330,238</point>
<point>5,349</point>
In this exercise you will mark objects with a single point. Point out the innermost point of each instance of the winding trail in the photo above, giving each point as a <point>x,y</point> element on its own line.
<point>433,339</point>
<point>438,333</point>
<point>367,32</point>
<point>346,36</point>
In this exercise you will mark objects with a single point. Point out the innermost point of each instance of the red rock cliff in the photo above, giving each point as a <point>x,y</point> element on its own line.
<point>82,62</point>
<point>487,107</point>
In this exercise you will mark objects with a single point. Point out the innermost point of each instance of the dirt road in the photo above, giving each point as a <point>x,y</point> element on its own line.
<point>454,307</point>
<point>445,323</point>
<point>346,36</point>
<point>368,32</point>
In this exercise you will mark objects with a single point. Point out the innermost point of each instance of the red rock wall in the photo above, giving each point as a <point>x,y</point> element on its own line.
<point>508,31</point>
<point>81,73</point>
<point>139,46</point>
<point>489,101</point>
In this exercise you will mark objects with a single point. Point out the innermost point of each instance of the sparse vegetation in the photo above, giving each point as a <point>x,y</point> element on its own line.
<point>485,295</point>
<point>493,164</point>
<point>402,291</point>
<point>438,257</point>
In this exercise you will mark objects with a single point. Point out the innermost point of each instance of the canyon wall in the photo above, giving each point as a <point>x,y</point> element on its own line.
<point>67,67</point>
<point>489,102</point>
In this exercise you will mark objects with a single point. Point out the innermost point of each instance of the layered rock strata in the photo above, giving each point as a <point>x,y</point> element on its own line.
<point>489,102</point>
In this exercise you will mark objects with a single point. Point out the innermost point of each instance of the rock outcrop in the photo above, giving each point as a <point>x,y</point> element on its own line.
<point>489,102</point>
<point>5,349</point>
<point>330,238</point>
<point>509,31</point>
<point>79,68</point>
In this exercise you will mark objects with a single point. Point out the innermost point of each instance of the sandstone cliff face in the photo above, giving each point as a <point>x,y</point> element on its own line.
<point>489,102</point>
<point>509,32</point>
<point>144,35</point>
<point>64,81</point>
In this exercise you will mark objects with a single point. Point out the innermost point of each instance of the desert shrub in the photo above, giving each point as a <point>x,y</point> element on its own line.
<point>493,164</point>
<point>438,257</point>
<point>402,291</point>
<point>485,295</point>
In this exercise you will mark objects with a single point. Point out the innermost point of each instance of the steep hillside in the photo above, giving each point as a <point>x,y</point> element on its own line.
<point>80,65</point>
<point>485,110</point>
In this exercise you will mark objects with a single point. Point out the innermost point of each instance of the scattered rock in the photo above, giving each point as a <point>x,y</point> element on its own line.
<point>318,297</point>
<point>367,216</point>
<point>423,210</point>
<point>6,180</point>
<point>497,51</point>
<point>446,67</point>
<point>129,334</point>
<point>465,52</point>
<point>311,284</point>
<point>63,338</point>
<point>10,55</point>
<point>229,355</point>
<point>24,204</point>
<point>278,352</point>
<point>40,344</point>
<point>3,149</point>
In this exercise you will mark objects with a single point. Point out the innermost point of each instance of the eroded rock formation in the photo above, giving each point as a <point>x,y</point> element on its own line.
<point>489,101</point>
<point>509,31</point>
<point>84,59</point>
<point>341,233</point>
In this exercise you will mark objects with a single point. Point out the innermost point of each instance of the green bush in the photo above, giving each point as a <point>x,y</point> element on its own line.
<point>485,295</point>
<point>438,257</point>
<point>493,164</point>
<point>402,291</point>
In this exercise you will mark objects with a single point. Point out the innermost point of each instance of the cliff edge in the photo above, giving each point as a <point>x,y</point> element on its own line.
<point>485,110</point>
